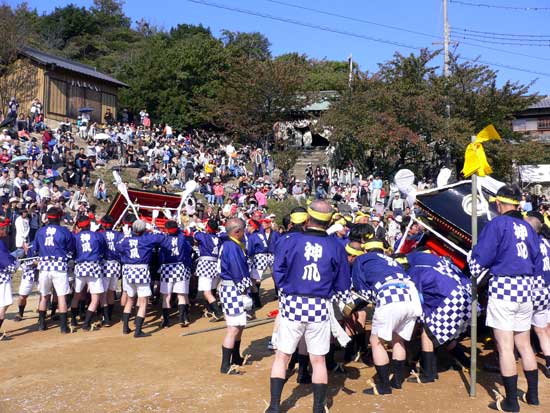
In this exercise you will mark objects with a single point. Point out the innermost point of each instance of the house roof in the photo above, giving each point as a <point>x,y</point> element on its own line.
<point>325,98</point>
<point>544,103</point>
<point>67,64</point>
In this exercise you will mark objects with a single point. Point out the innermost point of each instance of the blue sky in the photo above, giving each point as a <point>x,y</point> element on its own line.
<point>423,16</point>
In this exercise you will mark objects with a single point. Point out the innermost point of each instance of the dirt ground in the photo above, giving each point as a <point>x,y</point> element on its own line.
<point>104,371</point>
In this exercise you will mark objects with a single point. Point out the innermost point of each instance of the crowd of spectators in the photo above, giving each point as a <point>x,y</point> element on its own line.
<point>44,167</point>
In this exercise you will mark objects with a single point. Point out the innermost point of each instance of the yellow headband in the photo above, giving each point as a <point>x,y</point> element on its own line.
<point>319,216</point>
<point>298,217</point>
<point>504,200</point>
<point>353,251</point>
<point>402,260</point>
<point>371,245</point>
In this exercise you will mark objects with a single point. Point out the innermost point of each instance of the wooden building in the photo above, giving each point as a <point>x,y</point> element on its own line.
<point>64,86</point>
<point>534,121</point>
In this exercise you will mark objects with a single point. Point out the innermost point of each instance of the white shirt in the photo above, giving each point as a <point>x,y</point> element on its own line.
<point>22,229</point>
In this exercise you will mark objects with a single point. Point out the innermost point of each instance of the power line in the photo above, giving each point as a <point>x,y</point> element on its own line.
<point>503,43</point>
<point>485,47</point>
<point>492,37</point>
<point>300,23</point>
<point>503,34</point>
<point>494,6</point>
<point>355,19</point>
<point>351,34</point>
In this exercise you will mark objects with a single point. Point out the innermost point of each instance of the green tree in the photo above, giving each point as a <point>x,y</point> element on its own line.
<point>251,46</point>
<point>255,95</point>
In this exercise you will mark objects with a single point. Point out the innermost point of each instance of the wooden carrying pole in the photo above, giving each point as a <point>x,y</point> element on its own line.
<point>473,329</point>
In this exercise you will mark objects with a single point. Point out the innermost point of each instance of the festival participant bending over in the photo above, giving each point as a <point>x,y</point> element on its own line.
<point>509,249</point>
<point>446,308</point>
<point>310,270</point>
<point>235,282</point>
<point>397,305</point>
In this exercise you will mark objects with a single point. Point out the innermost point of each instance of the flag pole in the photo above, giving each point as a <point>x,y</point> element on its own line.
<point>473,329</point>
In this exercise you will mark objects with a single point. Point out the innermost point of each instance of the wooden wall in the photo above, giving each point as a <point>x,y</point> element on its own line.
<point>78,91</point>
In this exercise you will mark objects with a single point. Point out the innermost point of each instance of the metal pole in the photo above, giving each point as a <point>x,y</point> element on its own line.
<point>445,39</point>
<point>473,346</point>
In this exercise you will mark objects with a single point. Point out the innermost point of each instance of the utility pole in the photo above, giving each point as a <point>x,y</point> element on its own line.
<point>446,39</point>
<point>350,76</point>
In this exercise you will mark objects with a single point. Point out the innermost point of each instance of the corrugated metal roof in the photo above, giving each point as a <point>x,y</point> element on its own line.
<point>541,104</point>
<point>67,64</point>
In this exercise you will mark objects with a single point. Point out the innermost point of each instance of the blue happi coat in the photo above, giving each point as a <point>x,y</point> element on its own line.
<point>509,248</point>
<point>90,246</point>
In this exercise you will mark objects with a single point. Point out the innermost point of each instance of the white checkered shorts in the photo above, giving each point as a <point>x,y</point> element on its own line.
<point>392,291</point>
<point>303,309</point>
<point>540,294</point>
<point>232,299</point>
<point>260,261</point>
<point>450,320</point>
<point>516,289</point>
<point>136,273</point>
<point>53,264</point>
<point>30,272</point>
<point>111,269</point>
<point>207,268</point>
<point>174,272</point>
<point>88,269</point>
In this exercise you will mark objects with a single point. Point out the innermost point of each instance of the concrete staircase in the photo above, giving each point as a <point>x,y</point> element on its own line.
<point>315,155</point>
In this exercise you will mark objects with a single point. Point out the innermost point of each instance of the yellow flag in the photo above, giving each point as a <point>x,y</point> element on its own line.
<point>475,161</point>
<point>487,133</point>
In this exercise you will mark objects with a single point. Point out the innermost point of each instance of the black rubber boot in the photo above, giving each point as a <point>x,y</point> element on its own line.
<point>532,395</point>
<point>184,315</point>
<point>106,317</point>
<point>304,377</point>
<point>256,299</point>
<point>398,367</point>
<point>41,320</point>
<point>74,314</point>
<point>383,383</point>
<point>139,324</point>
<point>236,354</point>
<point>276,389</point>
<point>319,397</point>
<point>350,350</point>
<point>88,320</point>
<point>53,309</point>
<point>165,323</point>
<point>63,328</point>
<point>428,361</point>
<point>82,310</point>
<point>329,359</point>
<point>226,361</point>
<point>20,313</point>
<point>125,323</point>
<point>510,403</point>
<point>110,309</point>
